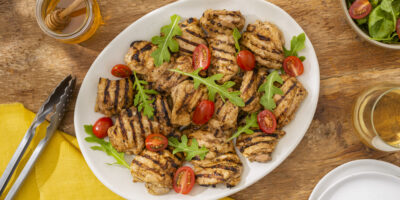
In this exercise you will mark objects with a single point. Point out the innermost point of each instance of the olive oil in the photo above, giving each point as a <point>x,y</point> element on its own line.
<point>386,118</point>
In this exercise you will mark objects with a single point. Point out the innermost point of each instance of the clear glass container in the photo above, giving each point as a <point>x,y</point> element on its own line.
<point>90,20</point>
<point>376,117</point>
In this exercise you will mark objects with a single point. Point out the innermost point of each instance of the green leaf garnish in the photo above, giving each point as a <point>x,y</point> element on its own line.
<point>251,122</point>
<point>213,88</point>
<point>236,37</point>
<point>296,44</point>
<point>191,151</point>
<point>104,146</point>
<point>166,41</point>
<point>142,100</point>
<point>270,90</point>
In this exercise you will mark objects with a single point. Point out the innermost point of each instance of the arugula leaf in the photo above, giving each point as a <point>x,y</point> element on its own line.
<point>104,146</point>
<point>142,100</point>
<point>213,88</point>
<point>251,122</point>
<point>191,151</point>
<point>236,37</point>
<point>270,90</point>
<point>296,44</point>
<point>166,41</point>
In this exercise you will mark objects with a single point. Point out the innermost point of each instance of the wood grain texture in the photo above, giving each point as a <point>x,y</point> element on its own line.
<point>31,65</point>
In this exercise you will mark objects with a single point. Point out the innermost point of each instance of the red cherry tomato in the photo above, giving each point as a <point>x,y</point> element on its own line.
<point>246,60</point>
<point>360,9</point>
<point>156,142</point>
<point>101,126</point>
<point>266,121</point>
<point>203,113</point>
<point>398,27</point>
<point>293,66</point>
<point>201,57</point>
<point>184,180</point>
<point>121,71</point>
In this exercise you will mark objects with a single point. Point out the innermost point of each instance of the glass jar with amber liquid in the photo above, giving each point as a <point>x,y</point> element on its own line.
<point>376,117</point>
<point>85,20</point>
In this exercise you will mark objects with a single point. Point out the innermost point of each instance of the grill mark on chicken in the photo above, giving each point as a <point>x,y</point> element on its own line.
<point>185,50</point>
<point>225,59</point>
<point>166,113</point>
<point>194,33</point>
<point>221,50</point>
<point>126,92</point>
<point>187,41</point>
<point>261,37</point>
<point>250,100</point>
<point>106,94</point>
<point>146,48</point>
<point>116,93</point>
<point>123,130</point>
<point>287,92</point>
<point>140,122</point>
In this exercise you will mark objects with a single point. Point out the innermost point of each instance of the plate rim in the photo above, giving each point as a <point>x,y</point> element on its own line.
<point>313,101</point>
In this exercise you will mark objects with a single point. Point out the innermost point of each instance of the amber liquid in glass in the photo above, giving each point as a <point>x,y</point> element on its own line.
<point>386,118</point>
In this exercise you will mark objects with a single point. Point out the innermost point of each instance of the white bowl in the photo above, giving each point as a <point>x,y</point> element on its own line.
<point>119,179</point>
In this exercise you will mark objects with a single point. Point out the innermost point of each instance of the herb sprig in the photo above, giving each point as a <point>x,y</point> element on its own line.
<point>236,37</point>
<point>296,44</point>
<point>251,122</point>
<point>142,100</point>
<point>166,41</point>
<point>105,146</point>
<point>191,151</point>
<point>270,90</point>
<point>213,88</point>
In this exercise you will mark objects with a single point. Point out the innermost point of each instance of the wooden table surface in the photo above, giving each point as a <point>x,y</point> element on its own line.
<point>31,64</point>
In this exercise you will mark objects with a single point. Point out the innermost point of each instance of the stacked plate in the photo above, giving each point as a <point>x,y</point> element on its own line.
<point>361,179</point>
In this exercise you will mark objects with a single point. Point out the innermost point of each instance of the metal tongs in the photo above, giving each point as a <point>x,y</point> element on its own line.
<point>55,104</point>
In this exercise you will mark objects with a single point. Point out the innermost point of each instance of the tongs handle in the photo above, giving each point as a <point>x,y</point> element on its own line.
<point>12,165</point>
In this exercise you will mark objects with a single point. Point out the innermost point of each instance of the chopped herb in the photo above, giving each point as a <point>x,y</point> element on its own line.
<point>142,100</point>
<point>213,88</point>
<point>296,44</point>
<point>190,151</point>
<point>236,37</point>
<point>105,146</point>
<point>166,41</point>
<point>270,90</point>
<point>251,122</point>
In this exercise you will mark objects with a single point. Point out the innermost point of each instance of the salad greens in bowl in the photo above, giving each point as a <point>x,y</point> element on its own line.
<point>377,21</point>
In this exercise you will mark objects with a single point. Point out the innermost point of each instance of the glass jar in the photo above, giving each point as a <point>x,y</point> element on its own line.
<point>90,22</point>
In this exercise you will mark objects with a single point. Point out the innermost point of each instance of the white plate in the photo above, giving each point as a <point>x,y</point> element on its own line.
<point>348,170</point>
<point>119,179</point>
<point>365,186</point>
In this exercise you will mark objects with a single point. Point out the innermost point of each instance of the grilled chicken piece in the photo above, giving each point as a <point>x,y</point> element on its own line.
<point>139,57</point>
<point>266,41</point>
<point>258,146</point>
<point>156,169</point>
<point>132,127</point>
<point>225,115</point>
<point>286,105</point>
<point>113,96</point>
<point>252,80</point>
<point>221,164</point>
<point>185,99</point>
<point>219,25</point>
<point>192,36</point>
<point>164,80</point>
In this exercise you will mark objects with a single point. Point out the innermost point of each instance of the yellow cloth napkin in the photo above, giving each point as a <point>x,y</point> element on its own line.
<point>59,173</point>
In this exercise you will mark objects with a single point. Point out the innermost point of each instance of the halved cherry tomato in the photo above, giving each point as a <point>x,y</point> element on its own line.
<point>156,142</point>
<point>101,127</point>
<point>266,121</point>
<point>184,180</point>
<point>398,27</point>
<point>360,9</point>
<point>201,57</point>
<point>121,71</point>
<point>246,60</point>
<point>203,113</point>
<point>293,66</point>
